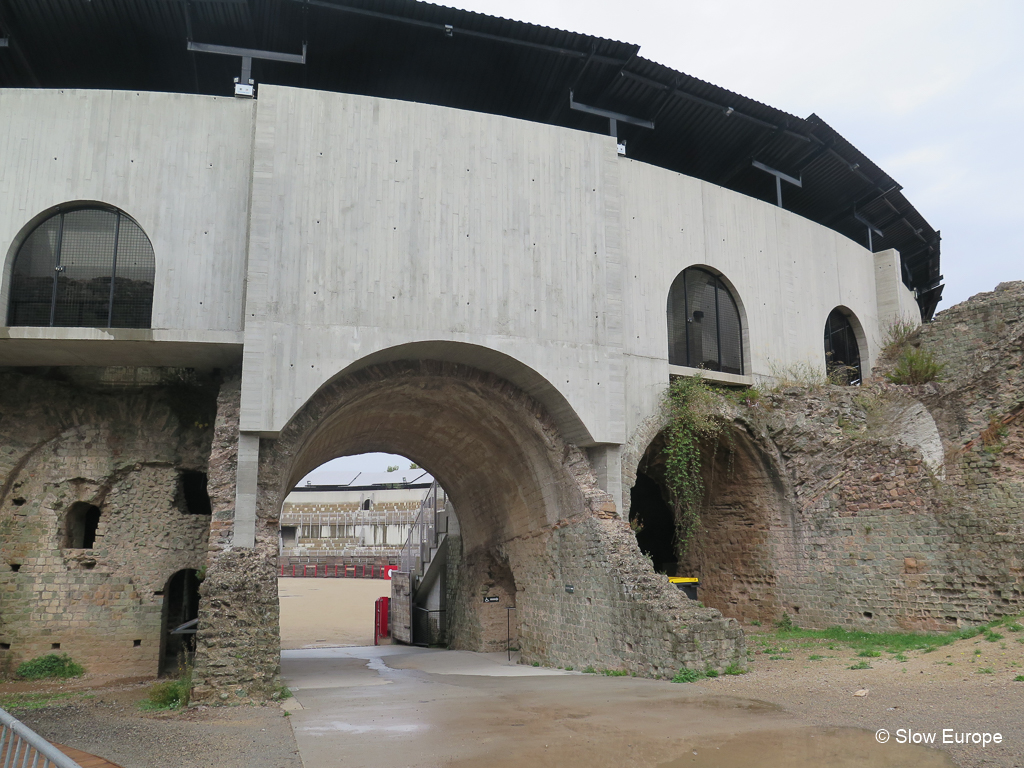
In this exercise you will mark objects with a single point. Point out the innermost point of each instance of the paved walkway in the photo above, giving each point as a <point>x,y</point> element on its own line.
<point>401,707</point>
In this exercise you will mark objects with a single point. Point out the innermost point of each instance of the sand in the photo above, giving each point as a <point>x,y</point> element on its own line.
<point>319,613</point>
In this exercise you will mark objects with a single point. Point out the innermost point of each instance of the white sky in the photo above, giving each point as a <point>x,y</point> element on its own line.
<point>932,91</point>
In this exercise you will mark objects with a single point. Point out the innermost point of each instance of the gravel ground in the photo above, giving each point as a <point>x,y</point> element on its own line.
<point>968,686</point>
<point>107,722</point>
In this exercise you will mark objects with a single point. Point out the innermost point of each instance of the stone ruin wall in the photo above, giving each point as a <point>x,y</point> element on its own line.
<point>879,507</point>
<point>117,439</point>
<point>876,507</point>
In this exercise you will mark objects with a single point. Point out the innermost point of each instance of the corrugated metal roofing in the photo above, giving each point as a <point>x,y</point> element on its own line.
<point>400,49</point>
<point>319,479</point>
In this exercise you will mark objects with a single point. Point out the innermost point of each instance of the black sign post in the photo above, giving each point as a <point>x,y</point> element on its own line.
<point>508,631</point>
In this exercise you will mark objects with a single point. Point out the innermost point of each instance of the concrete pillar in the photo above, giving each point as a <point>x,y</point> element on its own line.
<point>245,490</point>
<point>607,463</point>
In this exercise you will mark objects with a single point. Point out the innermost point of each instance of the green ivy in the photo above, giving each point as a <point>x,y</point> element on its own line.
<point>691,406</point>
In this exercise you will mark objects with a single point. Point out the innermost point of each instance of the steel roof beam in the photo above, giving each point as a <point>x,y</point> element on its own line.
<point>450,30</point>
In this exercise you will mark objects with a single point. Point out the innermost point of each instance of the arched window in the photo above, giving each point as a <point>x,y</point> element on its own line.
<point>368,504</point>
<point>89,267</point>
<point>704,329</point>
<point>842,354</point>
<point>80,526</point>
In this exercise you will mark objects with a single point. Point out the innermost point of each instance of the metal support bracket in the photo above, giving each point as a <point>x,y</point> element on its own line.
<point>614,118</point>
<point>779,178</point>
<point>871,229</point>
<point>244,85</point>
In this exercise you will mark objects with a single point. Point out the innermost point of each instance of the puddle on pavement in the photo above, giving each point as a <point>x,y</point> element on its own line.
<point>809,748</point>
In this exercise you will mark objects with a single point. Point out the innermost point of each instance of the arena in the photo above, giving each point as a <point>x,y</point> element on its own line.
<point>212,287</point>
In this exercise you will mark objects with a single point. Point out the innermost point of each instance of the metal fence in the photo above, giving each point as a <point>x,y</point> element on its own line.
<point>21,747</point>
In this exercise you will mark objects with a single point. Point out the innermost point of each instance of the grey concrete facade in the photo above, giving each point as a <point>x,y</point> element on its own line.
<point>484,295</point>
<point>315,234</point>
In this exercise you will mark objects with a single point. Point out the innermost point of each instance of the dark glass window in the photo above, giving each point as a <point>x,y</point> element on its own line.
<point>704,329</point>
<point>84,267</point>
<point>842,355</point>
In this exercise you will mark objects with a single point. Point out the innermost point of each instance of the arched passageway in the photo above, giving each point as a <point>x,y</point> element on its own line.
<point>508,474</point>
<point>731,549</point>
<point>181,605</point>
<point>535,532</point>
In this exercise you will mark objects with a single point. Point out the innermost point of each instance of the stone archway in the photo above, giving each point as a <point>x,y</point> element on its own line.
<point>745,504</point>
<point>535,528</point>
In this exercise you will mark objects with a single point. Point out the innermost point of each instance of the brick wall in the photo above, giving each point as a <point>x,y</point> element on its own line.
<point>83,436</point>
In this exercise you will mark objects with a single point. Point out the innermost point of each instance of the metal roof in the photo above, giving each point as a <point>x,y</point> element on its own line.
<point>321,479</point>
<point>415,51</point>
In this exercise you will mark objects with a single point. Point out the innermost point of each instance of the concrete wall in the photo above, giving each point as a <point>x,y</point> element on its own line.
<point>786,272</point>
<point>179,165</point>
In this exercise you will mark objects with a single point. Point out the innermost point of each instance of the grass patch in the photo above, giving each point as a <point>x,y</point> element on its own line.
<point>889,642</point>
<point>27,702</point>
<point>685,675</point>
<point>171,694</point>
<point>986,671</point>
<point>870,653</point>
<point>1014,627</point>
<point>615,673</point>
<point>568,669</point>
<point>900,657</point>
<point>734,669</point>
<point>991,636</point>
<point>815,657</point>
<point>589,671</point>
<point>1019,679</point>
<point>861,665</point>
<point>52,665</point>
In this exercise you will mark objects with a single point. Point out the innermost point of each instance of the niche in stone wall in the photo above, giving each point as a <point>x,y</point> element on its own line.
<point>730,551</point>
<point>80,525</point>
<point>193,495</point>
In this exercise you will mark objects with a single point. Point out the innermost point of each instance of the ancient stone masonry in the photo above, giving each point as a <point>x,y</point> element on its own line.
<point>94,515</point>
<point>878,507</point>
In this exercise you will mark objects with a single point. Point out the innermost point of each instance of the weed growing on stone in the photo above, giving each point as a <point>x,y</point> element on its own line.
<point>568,669</point>
<point>1014,627</point>
<point>915,366</point>
<point>52,665</point>
<point>685,675</point>
<point>896,336</point>
<point>536,663</point>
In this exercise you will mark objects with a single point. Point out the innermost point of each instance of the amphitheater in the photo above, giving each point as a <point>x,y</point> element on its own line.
<point>281,232</point>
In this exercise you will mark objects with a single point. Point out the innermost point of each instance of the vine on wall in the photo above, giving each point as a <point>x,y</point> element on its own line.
<point>691,404</point>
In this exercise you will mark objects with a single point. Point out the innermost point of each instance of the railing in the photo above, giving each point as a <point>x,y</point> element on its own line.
<point>428,626</point>
<point>422,534</point>
<point>21,747</point>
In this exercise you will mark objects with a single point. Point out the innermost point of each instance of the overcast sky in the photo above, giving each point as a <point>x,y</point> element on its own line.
<point>933,92</point>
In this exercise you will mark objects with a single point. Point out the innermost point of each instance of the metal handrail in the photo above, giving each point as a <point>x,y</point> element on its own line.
<point>19,745</point>
<point>422,532</point>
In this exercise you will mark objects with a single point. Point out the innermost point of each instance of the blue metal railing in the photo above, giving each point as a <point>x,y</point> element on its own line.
<point>21,747</point>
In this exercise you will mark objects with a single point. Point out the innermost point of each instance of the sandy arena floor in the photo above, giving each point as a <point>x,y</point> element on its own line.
<point>320,613</point>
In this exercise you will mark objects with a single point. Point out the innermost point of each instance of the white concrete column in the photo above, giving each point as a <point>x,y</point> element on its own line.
<point>244,534</point>
<point>607,463</point>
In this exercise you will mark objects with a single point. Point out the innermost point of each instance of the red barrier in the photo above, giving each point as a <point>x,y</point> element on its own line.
<point>381,610</point>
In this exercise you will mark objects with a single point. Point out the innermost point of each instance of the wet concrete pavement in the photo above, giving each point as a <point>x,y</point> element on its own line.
<point>399,707</point>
